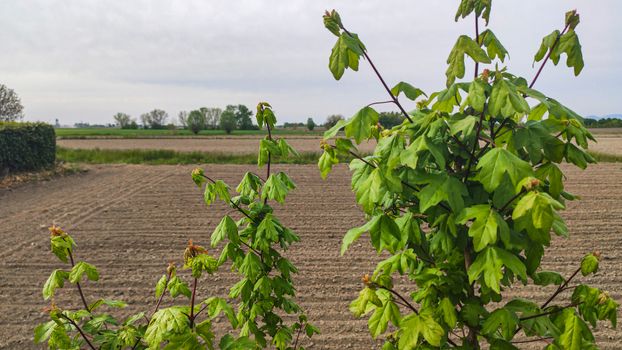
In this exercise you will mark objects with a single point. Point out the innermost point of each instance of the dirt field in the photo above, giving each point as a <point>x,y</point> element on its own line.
<point>236,144</point>
<point>131,220</point>
<point>607,143</point>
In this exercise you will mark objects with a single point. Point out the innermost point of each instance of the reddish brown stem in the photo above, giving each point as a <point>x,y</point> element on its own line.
<point>476,40</point>
<point>192,298</point>
<point>79,330</point>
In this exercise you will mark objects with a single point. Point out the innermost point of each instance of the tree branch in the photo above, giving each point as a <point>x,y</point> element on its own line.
<point>477,41</point>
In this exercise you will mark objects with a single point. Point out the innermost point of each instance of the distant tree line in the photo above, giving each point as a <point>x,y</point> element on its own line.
<point>603,123</point>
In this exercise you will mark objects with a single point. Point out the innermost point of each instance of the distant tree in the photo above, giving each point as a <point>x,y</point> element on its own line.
<point>603,123</point>
<point>228,121</point>
<point>122,120</point>
<point>133,125</point>
<point>332,120</point>
<point>310,124</point>
<point>196,121</point>
<point>212,116</point>
<point>182,117</point>
<point>390,119</point>
<point>155,119</point>
<point>243,117</point>
<point>11,108</point>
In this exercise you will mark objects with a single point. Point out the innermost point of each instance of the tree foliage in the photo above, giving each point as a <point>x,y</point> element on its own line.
<point>11,108</point>
<point>123,120</point>
<point>196,121</point>
<point>156,119</point>
<point>462,197</point>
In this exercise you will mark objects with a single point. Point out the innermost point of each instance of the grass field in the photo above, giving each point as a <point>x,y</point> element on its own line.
<point>164,156</point>
<point>149,133</point>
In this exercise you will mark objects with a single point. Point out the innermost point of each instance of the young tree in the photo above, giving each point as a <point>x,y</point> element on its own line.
<point>332,120</point>
<point>463,197</point>
<point>11,108</point>
<point>228,121</point>
<point>310,124</point>
<point>122,120</point>
<point>196,121</point>
<point>155,119</point>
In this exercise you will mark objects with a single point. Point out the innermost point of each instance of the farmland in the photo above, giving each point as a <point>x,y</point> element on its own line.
<point>130,218</point>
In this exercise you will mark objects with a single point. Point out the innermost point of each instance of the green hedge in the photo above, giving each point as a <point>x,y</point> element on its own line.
<point>26,146</point>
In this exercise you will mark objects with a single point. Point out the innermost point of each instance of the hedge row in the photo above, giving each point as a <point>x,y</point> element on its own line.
<point>26,146</point>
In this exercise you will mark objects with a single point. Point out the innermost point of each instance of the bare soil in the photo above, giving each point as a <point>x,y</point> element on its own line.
<point>236,144</point>
<point>610,143</point>
<point>130,221</point>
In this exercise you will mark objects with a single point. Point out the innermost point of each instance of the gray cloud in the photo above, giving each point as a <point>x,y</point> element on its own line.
<point>85,60</point>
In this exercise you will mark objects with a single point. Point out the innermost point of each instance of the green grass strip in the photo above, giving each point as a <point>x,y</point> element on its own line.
<point>606,157</point>
<point>158,157</point>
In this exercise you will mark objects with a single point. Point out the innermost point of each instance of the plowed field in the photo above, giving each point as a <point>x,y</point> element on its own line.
<point>130,221</point>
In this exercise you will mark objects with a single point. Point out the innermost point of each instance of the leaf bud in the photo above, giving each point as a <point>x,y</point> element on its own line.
<point>192,251</point>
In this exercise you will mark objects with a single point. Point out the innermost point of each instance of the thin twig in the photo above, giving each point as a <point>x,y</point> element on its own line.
<point>476,40</point>
<point>479,130</point>
<point>544,339</point>
<point>194,293</point>
<point>548,312</point>
<point>505,206</point>
<point>379,103</point>
<point>401,298</point>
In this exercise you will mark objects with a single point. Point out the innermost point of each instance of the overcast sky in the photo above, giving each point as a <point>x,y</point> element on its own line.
<point>80,60</point>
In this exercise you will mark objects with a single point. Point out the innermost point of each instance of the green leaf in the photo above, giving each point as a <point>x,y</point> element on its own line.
<point>497,162</point>
<point>487,222</point>
<point>166,322</point>
<point>505,100</point>
<point>409,91</point>
<point>176,286</point>
<point>326,162</point>
<point>442,188</point>
<point>56,280</point>
<point>365,302</point>
<point>464,45</point>
<point>345,54</point>
<point>359,126</point>
<point>493,46</point>
<point>251,266</point>
<point>448,312</point>
<point>481,8</point>
<point>44,331</point>
<point>226,228</point>
<point>277,187</point>
<point>202,263</point>
<point>354,233</point>
<point>537,209</point>
<point>82,268</point>
<point>379,320</point>
<point>218,189</point>
<point>589,264</point>
<point>61,246</point>
<point>422,144</point>
<point>502,319</point>
<point>414,327</point>
<point>476,98</point>
<point>489,265</point>
<point>568,44</point>
<point>249,186</point>
<point>576,335</point>
<point>160,286</point>
<point>545,278</point>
